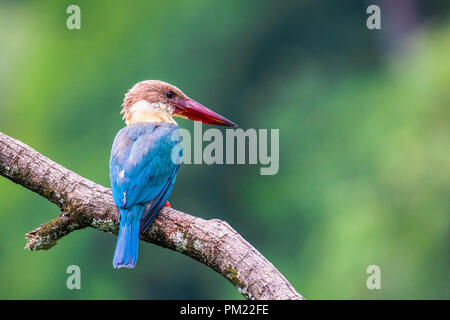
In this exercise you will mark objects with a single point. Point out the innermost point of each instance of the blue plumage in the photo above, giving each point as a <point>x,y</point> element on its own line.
<point>142,173</point>
<point>146,157</point>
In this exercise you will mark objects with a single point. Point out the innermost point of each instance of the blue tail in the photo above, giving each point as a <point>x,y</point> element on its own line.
<point>127,245</point>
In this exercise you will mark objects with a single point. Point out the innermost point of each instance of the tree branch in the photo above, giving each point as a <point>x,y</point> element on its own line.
<point>84,203</point>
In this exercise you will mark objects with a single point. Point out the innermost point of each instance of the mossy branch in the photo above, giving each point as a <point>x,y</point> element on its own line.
<point>84,203</point>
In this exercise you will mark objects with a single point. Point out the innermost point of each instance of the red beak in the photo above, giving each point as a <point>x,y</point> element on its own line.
<point>195,111</point>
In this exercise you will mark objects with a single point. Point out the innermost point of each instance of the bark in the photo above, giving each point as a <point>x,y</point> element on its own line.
<point>84,203</point>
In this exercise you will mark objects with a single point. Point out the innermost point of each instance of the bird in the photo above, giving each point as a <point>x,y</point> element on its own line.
<point>145,160</point>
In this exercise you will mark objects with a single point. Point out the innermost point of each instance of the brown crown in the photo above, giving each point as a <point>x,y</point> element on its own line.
<point>150,91</point>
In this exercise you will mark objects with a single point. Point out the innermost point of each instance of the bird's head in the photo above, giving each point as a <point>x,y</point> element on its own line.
<point>154,101</point>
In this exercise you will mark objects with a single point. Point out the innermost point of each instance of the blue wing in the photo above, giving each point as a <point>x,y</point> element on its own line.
<point>149,214</point>
<point>144,163</point>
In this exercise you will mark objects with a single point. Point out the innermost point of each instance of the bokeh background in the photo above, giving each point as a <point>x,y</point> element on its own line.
<point>364,129</point>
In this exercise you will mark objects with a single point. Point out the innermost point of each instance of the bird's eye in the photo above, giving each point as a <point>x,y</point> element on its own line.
<point>169,94</point>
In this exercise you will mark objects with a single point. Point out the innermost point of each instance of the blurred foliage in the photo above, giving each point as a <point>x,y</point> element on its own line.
<point>363,118</point>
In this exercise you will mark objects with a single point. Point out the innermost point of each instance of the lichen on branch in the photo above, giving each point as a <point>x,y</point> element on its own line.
<point>84,204</point>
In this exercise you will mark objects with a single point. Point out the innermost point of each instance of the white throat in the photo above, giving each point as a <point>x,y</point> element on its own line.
<point>144,111</point>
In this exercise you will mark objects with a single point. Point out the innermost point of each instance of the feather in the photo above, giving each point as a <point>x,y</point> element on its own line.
<point>142,175</point>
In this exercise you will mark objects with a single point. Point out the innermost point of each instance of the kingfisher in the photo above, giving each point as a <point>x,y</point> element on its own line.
<point>146,156</point>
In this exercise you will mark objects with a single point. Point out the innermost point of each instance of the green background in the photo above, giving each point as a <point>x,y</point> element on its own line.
<point>363,115</point>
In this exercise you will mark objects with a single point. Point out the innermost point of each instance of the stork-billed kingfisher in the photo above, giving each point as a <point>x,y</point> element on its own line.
<point>142,166</point>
